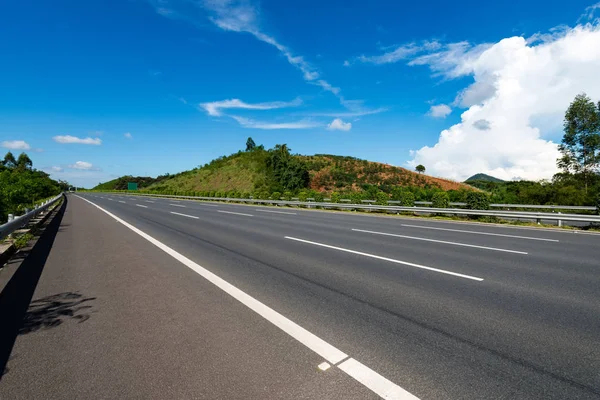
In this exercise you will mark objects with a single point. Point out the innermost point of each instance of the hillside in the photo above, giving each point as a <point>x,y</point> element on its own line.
<point>249,171</point>
<point>483,177</point>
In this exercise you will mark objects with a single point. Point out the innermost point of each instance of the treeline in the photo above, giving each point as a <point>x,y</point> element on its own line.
<point>564,189</point>
<point>122,182</point>
<point>22,186</point>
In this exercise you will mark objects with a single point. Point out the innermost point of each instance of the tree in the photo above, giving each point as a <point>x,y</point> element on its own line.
<point>250,145</point>
<point>9,161</point>
<point>420,168</point>
<point>24,162</point>
<point>580,146</point>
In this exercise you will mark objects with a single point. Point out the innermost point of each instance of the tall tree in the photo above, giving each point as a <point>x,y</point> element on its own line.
<point>580,146</point>
<point>24,162</point>
<point>250,145</point>
<point>9,160</point>
<point>420,168</point>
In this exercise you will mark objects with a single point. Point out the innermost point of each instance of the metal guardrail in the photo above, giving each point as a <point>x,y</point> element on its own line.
<point>21,221</point>
<point>530,206</point>
<point>538,216</point>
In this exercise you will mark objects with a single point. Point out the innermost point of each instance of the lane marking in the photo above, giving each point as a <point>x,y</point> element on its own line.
<point>324,366</point>
<point>148,201</point>
<point>111,199</point>
<point>121,201</point>
<point>235,213</point>
<point>177,205</point>
<point>185,215</point>
<point>479,233</point>
<point>385,388</point>
<point>363,374</point>
<point>441,241</point>
<point>278,212</point>
<point>140,205</point>
<point>360,253</point>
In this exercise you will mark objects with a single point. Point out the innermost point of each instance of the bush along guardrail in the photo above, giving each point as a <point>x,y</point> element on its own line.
<point>476,202</point>
<point>17,222</point>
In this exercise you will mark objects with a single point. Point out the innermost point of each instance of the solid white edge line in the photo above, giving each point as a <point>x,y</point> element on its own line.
<point>360,253</point>
<point>140,205</point>
<point>385,388</point>
<point>185,215</point>
<point>369,378</point>
<point>121,201</point>
<point>177,205</point>
<point>441,241</point>
<point>235,213</point>
<point>480,233</point>
<point>277,212</point>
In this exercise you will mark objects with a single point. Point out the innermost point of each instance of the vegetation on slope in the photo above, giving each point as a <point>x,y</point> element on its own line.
<point>483,177</point>
<point>21,186</point>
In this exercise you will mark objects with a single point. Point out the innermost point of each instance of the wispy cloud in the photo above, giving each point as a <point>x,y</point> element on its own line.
<point>214,108</point>
<point>589,14</point>
<point>349,114</point>
<point>128,135</point>
<point>56,169</point>
<point>399,53</point>
<point>83,166</point>
<point>439,111</point>
<point>243,17</point>
<point>68,139</point>
<point>250,123</point>
<point>339,125</point>
<point>15,145</point>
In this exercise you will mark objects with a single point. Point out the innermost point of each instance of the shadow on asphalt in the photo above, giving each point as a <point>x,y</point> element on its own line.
<point>51,311</point>
<point>16,297</point>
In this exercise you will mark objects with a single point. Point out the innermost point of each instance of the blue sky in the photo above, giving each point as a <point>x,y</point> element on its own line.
<point>191,80</point>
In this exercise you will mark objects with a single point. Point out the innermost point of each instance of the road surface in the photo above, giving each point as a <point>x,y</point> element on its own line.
<point>180,299</point>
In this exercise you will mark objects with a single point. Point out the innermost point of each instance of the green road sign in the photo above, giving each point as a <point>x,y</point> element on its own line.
<point>132,186</point>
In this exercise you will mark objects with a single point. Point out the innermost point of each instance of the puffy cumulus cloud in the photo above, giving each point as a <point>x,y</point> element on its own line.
<point>15,145</point>
<point>439,111</point>
<point>520,92</point>
<point>83,166</point>
<point>339,125</point>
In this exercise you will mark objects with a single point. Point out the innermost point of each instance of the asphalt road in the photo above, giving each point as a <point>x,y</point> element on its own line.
<point>402,306</point>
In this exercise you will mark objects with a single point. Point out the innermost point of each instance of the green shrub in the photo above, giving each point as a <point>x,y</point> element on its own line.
<point>335,197</point>
<point>319,196</point>
<point>303,195</point>
<point>478,201</point>
<point>287,195</point>
<point>440,200</point>
<point>275,196</point>
<point>408,199</point>
<point>598,204</point>
<point>382,198</point>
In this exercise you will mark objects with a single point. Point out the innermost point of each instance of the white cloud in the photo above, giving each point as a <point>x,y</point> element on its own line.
<point>214,108</point>
<point>84,166</point>
<point>73,139</point>
<point>346,63</point>
<point>339,125</point>
<point>349,114</point>
<point>250,123</point>
<point>242,17</point>
<point>439,111</point>
<point>128,135</point>
<point>15,145</point>
<point>518,98</point>
<point>56,169</point>
<point>399,53</point>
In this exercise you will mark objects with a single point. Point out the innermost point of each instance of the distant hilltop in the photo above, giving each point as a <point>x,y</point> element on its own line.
<point>483,177</point>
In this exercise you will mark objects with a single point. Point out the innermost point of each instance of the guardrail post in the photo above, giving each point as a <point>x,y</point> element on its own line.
<point>559,221</point>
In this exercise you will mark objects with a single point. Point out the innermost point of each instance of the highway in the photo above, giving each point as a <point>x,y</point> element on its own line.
<point>187,299</point>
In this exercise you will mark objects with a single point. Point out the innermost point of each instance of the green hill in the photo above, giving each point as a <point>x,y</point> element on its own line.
<point>483,177</point>
<point>262,172</point>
